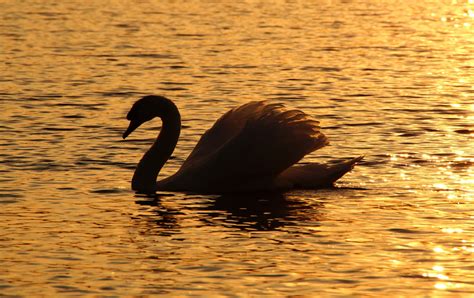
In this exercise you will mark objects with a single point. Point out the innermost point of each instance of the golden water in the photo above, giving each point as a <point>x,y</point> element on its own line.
<point>393,80</point>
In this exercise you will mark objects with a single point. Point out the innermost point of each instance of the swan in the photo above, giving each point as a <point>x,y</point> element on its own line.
<point>253,147</point>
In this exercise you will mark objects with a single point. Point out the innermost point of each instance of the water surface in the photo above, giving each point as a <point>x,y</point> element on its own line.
<point>390,80</point>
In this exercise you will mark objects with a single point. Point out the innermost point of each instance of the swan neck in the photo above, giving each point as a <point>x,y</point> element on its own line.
<point>146,173</point>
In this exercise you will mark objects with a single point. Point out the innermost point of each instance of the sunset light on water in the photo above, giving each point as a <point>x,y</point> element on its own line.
<point>390,80</point>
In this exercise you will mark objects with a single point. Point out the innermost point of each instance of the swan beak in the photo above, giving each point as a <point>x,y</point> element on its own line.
<point>131,127</point>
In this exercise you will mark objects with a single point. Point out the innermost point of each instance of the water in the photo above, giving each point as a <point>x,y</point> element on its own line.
<point>391,80</point>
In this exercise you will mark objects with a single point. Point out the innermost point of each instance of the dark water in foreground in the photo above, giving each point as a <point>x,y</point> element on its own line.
<point>391,81</point>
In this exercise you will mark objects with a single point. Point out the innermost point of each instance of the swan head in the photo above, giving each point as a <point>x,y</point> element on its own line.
<point>145,109</point>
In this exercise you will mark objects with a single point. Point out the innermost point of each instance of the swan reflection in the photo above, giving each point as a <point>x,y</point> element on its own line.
<point>257,211</point>
<point>163,219</point>
<point>260,211</point>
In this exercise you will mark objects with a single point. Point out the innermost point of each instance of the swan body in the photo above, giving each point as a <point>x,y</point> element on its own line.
<point>253,147</point>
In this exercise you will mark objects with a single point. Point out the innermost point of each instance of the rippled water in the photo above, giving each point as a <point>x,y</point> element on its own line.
<point>391,80</point>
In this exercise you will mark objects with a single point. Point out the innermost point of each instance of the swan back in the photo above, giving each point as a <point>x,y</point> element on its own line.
<point>250,145</point>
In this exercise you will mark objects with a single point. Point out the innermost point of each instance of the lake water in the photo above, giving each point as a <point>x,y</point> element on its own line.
<point>393,80</point>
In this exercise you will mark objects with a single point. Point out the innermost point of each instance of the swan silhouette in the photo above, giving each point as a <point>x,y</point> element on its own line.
<point>253,147</point>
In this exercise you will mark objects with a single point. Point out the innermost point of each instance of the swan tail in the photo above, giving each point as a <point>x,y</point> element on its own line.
<point>315,175</point>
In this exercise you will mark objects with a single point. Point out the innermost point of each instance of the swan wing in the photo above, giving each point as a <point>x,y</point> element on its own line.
<point>250,145</point>
<point>224,129</point>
